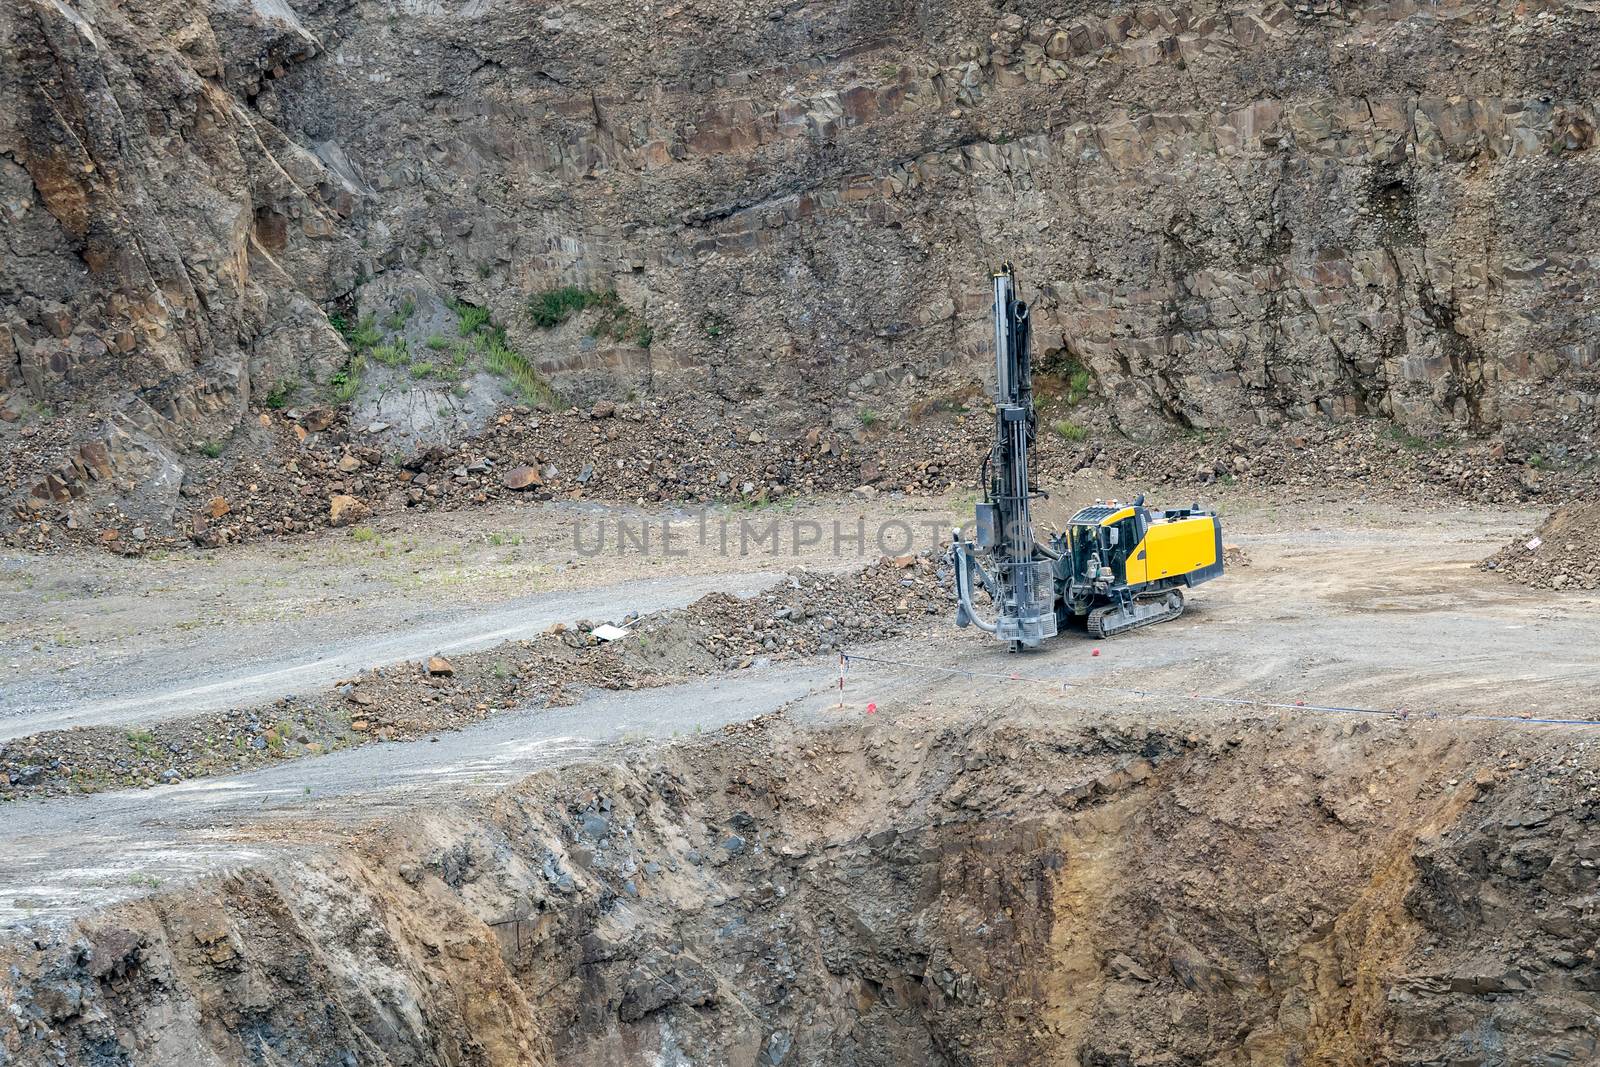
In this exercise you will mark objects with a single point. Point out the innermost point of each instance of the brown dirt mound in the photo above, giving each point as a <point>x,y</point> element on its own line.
<point>1564,554</point>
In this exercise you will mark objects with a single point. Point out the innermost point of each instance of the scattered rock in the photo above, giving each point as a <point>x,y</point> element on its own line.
<point>523,477</point>
<point>317,420</point>
<point>345,510</point>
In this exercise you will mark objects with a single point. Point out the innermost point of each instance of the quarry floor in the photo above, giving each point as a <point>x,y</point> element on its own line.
<point>1346,602</point>
<point>90,638</point>
<point>968,857</point>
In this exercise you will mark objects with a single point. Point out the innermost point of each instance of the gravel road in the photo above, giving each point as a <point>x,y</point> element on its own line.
<point>90,638</point>
<point>64,857</point>
<point>1356,606</point>
<point>184,678</point>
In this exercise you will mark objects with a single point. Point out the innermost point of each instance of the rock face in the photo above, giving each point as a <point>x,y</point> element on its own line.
<point>987,892</point>
<point>1252,212</point>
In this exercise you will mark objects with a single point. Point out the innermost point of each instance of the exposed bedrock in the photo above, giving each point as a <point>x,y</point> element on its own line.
<point>1227,213</point>
<point>1247,893</point>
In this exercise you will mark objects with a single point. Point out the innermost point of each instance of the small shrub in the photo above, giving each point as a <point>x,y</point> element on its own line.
<point>1409,441</point>
<point>437,343</point>
<point>1068,430</point>
<point>210,449</point>
<point>421,370</point>
<point>714,324</point>
<point>281,393</point>
<point>363,534</point>
<point>869,418</point>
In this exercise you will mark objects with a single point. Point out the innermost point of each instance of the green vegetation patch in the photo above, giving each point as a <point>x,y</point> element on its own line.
<point>615,320</point>
<point>1069,430</point>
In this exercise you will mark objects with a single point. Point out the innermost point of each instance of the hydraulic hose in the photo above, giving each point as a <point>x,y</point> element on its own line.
<point>964,589</point>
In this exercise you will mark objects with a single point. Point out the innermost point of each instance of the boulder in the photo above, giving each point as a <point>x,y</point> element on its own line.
<point>345,510</point>
<point>523,477</point>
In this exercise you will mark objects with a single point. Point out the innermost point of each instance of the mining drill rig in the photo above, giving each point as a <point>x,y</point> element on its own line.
<point>1117,566</point>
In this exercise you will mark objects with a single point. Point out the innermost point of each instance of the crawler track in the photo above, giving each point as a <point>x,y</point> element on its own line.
<point>1113,620</point>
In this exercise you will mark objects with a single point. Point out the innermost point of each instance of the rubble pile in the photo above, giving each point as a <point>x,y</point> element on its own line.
<point>813,613</point>
<point>1371,454</point>
<point>323,471</point>
<point>1563,554</point>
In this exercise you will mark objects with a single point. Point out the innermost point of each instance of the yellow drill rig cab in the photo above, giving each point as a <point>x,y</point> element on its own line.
<point>1114,569</point>
<point>1121,567</point>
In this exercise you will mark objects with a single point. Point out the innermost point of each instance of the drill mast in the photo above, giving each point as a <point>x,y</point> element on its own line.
<point>1023,583</point>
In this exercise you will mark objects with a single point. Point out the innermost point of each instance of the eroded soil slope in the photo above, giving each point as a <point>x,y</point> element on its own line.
<point>938,888</point>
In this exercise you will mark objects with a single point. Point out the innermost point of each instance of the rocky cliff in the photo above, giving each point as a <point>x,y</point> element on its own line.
<point>1228,213</point>
<point>1316,893</point>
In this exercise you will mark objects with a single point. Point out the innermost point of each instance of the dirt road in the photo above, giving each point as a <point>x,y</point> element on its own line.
<point>173,680</point>
<point>1355,606</point>
<point>92,639</point>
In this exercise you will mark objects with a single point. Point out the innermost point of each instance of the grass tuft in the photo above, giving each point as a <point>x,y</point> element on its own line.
<point>554,306</point>
<point>1069,430</point>
<point>346,382</point>
<point>472,317</point>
